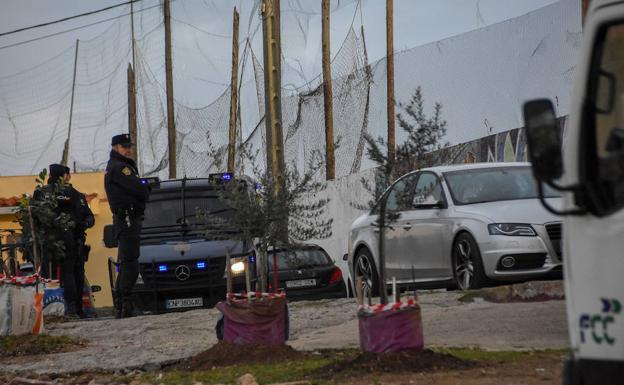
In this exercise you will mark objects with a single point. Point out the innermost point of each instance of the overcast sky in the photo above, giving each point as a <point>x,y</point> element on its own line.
<point>416,22</point>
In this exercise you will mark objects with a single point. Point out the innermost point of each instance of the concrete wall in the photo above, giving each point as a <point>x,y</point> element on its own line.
<point>88,183</point>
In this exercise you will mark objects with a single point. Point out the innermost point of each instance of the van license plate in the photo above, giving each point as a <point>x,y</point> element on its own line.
<point>184,302</point>
<point>301,283</point>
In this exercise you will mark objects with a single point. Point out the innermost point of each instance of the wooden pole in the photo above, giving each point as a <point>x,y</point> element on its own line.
<point>247,277</point>
<point>132,123</point>
<point>383,294</point>
<point>132,126</point>
<point>231,163</point>
<point>272,91</point>
<point>37,260</point>
<point>132,35</point>
<point>359,292</point>
<point>228,271</point>
<point>330,157</point>
<point>584,9</point>
<point>390,78</point>
<point>171,130</point>
<point>65,157</point>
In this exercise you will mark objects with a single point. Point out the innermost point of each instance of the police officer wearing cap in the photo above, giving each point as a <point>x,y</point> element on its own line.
<point>83,219</point>
<point>70,202</point>
<point>126,196</point>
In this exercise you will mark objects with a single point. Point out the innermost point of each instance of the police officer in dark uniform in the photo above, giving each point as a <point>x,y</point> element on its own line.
<point>68,202</point>
<point>126,196</point>
<point>84,220</point>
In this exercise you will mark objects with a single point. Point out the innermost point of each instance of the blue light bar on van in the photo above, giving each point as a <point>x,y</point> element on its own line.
<point>201,265</point>
<point>221,177</point>
<point>162,268</point>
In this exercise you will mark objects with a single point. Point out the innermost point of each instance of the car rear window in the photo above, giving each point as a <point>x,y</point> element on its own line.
<point>300,259</point>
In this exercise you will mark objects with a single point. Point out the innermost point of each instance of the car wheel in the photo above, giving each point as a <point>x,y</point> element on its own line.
<point>365,267</point>
<point>467,263</point>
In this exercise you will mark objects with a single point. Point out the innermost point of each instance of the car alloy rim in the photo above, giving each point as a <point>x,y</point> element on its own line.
<point>365,270</point>
<point>464,266</point>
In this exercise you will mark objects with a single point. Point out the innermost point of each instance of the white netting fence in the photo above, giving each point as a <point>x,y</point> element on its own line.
<point>465,73</point>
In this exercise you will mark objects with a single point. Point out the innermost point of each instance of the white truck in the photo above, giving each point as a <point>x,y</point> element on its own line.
<point>586,162</point>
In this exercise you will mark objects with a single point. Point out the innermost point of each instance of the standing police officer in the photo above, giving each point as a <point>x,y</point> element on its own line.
<point>126,196</point>
<point>68,202</point>
<point>84,220</point>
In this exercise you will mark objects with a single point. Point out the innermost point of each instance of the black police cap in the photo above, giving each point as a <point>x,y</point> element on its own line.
<point>123,139</point>
<point>58,170</point>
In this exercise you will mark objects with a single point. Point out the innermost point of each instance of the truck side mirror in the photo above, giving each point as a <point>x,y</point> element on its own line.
<point>543,139</point>
<point>110,240</point>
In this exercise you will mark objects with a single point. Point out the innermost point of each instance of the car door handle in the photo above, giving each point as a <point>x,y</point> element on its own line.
<point>407,227</point>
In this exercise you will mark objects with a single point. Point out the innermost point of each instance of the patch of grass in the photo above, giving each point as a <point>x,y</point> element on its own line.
<point>485,356</point>
<point>11,346</point>
<point>308,368</point>
<point>265,374</point>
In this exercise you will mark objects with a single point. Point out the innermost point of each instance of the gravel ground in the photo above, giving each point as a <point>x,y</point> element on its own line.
<point>151,341</point>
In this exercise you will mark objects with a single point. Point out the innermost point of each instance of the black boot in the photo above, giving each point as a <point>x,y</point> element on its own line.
<point>127,308</point>
<point>117,304</point>
<point>70,312</point>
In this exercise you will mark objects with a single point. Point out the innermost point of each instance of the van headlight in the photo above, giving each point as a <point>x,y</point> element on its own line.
<point>512,229</point>
<point>237,265</point>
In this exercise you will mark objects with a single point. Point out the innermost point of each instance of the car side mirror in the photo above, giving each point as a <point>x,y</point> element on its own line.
<point>110,240</point>
<point>543,139</point>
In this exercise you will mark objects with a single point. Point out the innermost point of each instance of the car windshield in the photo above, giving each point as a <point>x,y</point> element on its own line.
<point>299,259</point>
<point>494,184</point>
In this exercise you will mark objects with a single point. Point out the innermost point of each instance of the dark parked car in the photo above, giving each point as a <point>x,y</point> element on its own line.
<point>306,273</point>
<point>182,266</point>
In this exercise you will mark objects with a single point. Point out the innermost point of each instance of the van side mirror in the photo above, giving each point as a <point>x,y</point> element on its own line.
<point>543,139</point>
<point>110,240</point>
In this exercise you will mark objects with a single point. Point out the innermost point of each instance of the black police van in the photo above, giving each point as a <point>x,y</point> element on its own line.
<point>182,265</point>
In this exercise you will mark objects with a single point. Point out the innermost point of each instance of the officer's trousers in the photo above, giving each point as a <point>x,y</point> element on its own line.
<point>72,276</point>
<point>128,237</point>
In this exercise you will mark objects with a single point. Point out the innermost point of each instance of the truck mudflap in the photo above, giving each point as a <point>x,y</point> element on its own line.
<point>592,372</point>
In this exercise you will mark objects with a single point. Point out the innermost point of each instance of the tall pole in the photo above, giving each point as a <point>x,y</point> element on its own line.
<point>65,157</point>
<point>584,9</point>
<point>330,157</point>
<point>171,130</point>
<point>273,111</point>
<point>132,34</point>
<point>231,164</point>
<point>390,78</point>
<point>132,123</point>
<point>272,90</point>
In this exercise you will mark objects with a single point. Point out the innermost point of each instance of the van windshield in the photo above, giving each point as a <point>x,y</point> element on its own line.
<point>194,214</point>
<point>494,184</point>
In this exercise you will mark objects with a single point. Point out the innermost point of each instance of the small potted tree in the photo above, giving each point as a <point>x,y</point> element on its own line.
<point>395,325</point>
<point>273,216</point>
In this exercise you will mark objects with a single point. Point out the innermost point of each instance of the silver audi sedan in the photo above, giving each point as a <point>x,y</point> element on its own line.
<point>461,226</point>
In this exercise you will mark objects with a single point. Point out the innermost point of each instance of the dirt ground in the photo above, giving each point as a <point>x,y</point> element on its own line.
<point>271,366</point>
<point>150,343</point>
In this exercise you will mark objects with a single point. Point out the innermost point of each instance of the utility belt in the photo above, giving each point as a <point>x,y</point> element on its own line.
<point>128,215</point>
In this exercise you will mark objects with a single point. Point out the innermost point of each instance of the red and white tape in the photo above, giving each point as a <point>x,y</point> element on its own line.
<point>256,295</point>
<point>372,309</point>
<point>28,280</point>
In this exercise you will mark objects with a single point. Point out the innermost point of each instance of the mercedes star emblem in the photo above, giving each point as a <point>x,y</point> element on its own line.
<point>182,273</point>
